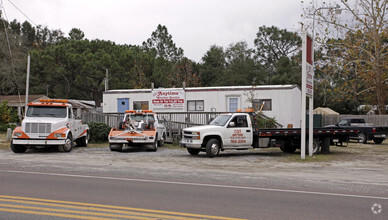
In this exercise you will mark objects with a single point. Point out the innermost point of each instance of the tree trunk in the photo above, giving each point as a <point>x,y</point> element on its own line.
<point>97,97</point>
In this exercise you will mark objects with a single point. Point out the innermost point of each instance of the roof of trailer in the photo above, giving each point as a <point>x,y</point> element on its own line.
<point>216,88</point>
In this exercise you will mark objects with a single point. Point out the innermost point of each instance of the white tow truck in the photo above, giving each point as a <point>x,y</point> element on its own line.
<point>49,122</point>
<point>138,128</point>
<point>240,131</point>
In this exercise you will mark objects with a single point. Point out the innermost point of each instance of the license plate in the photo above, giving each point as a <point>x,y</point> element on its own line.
<point>188,140</point>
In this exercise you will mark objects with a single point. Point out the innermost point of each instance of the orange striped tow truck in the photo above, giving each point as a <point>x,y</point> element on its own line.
<point>139,129</point>
<point>47,123</point>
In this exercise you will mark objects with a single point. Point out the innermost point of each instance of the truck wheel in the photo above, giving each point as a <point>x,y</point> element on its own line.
<point>362,138</point>
<point>315,146</point>
<point>287,147</point>
<point>83,141</point>
<point>17,148</point>
<point>162,140</point>
<point>68,144</point>
<point>378,140</point>
<point>325,147</point>
<point>193,151</point>
<point>155,145</point>
<point>212,148</point>
<point>116,147</point>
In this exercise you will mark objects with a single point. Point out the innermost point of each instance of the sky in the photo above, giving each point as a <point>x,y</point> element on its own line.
<point>195,25</point>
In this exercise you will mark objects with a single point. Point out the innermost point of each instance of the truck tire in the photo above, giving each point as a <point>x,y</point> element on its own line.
<point>68,146</point>
<point>325,147</point>
<point>193,151</point>
<point>17,148</point>
<point>162,140</point>
<point>212,148</point>
<point>378,140</point>
<point>83,141</point>
<point>155,145</point>
<point>315,146</point>
<point>362,138</point>
<point>116,147</point>
<point>287,147</point>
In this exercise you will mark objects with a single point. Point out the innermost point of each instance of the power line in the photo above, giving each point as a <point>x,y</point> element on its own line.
<point>12,67</point>
<point>23,13</point>
<point>6,32</point>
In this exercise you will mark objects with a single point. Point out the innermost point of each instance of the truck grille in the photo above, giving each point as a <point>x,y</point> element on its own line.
<point>41,128</point>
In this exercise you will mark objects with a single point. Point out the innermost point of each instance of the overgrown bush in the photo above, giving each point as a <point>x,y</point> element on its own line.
<point>98,131</point>
<point>5,112</point>
<point>266,122</point>
<point>4,127</point>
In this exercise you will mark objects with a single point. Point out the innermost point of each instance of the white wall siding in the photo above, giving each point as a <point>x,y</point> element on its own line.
<point>286,99</point>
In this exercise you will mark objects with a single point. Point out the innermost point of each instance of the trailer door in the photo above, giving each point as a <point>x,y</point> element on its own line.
<point>122,105</point>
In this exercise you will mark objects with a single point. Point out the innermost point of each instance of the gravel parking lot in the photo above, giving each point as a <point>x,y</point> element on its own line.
<point>358,167</point>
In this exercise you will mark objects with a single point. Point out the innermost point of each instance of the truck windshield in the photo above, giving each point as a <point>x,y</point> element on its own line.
<point>46,111</point>
<point>220,120</point>
<point>139,117</point>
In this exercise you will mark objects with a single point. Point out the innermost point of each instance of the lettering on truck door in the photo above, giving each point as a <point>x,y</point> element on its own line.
<point>238,132</point>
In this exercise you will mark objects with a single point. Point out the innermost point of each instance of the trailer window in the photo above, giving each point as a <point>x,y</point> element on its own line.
<point>233,103</point>
<point>195,105</point>
<point>263,104</point>
<point>140,105</point>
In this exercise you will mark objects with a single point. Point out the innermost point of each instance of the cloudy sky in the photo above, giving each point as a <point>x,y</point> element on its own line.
<point>195,25</point>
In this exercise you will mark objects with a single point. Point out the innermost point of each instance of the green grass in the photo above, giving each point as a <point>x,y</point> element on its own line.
<point>98,145</point>
<point>172,146</point>
<point>315,158</point>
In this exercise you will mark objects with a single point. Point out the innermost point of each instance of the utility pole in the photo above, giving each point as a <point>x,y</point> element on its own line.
<point>106,81</point>
<point>28,78</point>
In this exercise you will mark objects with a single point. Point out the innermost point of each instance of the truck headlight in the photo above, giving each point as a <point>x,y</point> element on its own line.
<point>57,135</point>
<point>17,134</point>
<point>196,135</point>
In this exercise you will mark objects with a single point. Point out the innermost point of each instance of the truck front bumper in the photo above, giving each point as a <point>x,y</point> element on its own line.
<point>379,135</point>
<point>193,144</point>
<point>131,140</point>
<point>38,142</point>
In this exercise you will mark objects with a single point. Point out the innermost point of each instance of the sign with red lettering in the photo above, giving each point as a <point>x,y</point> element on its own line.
<point>309,66</point>
<point>168,99</point>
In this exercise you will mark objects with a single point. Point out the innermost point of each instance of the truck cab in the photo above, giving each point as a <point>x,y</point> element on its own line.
<point>49,122</point>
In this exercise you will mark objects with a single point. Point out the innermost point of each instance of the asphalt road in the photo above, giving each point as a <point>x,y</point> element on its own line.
<point>95,183</point>
<point>169,199</point>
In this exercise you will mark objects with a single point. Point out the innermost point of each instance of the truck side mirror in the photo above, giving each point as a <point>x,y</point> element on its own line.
<point>232,124</point>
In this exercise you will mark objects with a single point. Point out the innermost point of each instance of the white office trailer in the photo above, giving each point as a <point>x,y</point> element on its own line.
<point>283,102</point>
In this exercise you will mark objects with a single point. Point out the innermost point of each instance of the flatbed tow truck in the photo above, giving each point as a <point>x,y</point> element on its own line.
<point>240,131</point>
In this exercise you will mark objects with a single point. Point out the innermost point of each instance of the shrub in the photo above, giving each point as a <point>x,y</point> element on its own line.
<point>99,131</point>
<point>266,122</point>
<point>5,112</point>
<point>4,127</point>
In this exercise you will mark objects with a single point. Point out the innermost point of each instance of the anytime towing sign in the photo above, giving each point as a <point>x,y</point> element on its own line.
<point>307,91</point>
<point>168,99</point>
